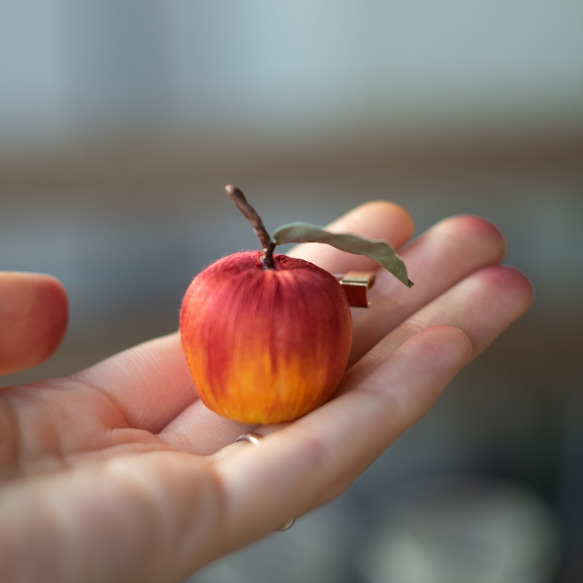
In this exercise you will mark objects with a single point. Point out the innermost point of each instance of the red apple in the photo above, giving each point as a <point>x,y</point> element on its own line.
<point>265,345</point>
<point>267,336</point>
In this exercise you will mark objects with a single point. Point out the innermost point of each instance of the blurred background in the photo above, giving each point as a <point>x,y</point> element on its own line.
<point>120,122</point>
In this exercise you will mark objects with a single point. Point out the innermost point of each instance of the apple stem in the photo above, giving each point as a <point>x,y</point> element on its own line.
<point>267,244</point>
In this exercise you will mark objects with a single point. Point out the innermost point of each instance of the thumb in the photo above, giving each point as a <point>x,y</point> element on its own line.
<point>33,319</point>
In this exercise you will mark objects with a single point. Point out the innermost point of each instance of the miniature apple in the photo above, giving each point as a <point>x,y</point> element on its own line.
<point>267,336</point>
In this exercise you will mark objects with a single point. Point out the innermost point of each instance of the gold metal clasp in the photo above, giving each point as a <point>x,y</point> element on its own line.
<point>356,285</point>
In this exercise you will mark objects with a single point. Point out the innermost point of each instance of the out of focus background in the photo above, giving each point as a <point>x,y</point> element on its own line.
<point>120,122</point>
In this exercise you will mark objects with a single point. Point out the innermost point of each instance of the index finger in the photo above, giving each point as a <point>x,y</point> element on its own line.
<point>314,459</point>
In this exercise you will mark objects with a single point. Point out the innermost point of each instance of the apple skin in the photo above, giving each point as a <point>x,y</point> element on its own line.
<point>265,345</point>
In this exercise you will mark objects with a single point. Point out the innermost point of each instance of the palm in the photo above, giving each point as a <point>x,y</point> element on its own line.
<point>64,422</point>
<point>130,447</point>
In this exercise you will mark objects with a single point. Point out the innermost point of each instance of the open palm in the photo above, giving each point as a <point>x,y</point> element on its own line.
<point>120,473</point>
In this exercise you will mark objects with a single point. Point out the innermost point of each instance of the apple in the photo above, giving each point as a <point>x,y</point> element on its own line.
<point>267,336</point>
<point>265,345</point>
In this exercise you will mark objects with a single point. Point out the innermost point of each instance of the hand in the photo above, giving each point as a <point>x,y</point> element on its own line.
<point>119,472</point>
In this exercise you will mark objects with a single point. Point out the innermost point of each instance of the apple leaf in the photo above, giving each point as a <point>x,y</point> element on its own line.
<point>377,249</point>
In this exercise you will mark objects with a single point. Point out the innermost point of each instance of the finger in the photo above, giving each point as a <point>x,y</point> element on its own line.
<point>468,306</point>
<point>33,319</point>
<point>440,258</point>
<point>317,457</point>
<point>151,383</point>
<point>312,460</point>
<point>481,305</point>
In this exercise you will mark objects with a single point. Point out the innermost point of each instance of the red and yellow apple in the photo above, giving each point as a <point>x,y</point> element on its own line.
<point>266,336</point>
<point>265,345</point>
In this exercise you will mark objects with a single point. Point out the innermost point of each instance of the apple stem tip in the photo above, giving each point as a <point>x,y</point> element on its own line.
<point>267,244</point>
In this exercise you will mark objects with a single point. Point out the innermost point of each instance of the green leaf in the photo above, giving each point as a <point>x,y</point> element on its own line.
<point>378,250</point>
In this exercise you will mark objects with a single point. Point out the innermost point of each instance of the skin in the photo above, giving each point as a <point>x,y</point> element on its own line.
<point>119,472</point>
